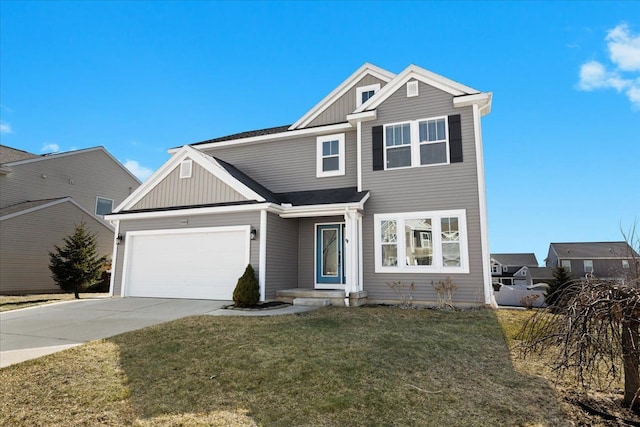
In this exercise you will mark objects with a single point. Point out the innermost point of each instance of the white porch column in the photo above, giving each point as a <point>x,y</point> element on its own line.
<point>352,251</point>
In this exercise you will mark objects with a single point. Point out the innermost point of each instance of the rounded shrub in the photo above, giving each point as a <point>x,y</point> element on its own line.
<point>247,291</point>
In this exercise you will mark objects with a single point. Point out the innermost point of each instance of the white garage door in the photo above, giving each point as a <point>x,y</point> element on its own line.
<point>199,263</point>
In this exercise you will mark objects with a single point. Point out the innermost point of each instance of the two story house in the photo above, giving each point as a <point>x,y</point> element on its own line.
<point>42,198</point>
<point>604,260</point>
<point>381,181</point>
<point>507,269</point>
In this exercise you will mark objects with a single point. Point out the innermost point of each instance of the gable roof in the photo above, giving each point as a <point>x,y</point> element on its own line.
<point>581,250</point>
<point>207,162</point>
<point>343,88</point>
<point>247,134</point>
<point>413,72</point>
<point>27,207</point>
<point>9,154</point>
<point>541,272</point>
<point>528,259</point>
<point>37,158</point>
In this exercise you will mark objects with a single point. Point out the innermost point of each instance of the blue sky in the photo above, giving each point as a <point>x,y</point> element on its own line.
<point>561,145</point>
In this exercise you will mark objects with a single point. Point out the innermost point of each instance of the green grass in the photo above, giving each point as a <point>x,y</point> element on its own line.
<point>370,366</point>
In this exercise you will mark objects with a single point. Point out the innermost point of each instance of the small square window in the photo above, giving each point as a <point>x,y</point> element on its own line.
<point>625,263</point>
<point>103,206</point>
<point>364,93</point>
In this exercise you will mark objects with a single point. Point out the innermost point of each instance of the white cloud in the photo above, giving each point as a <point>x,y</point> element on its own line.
<point>624,73</point>
<point>5,128</point>
<point>138,170</point>
<point>624,48</point>
<point>50,148</point>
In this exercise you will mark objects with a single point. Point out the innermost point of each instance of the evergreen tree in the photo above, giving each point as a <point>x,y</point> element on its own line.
<point>76,265</point>
<point>562,278</point>
<point>247,291</point>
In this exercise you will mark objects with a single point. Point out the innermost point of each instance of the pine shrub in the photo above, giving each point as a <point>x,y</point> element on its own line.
<point>247,291</point>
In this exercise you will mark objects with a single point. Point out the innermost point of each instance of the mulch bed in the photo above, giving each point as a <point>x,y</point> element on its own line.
<point>269,305</point>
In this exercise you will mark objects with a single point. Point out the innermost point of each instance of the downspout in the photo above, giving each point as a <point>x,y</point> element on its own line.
<point>114,255</point>
<point>262,262</point>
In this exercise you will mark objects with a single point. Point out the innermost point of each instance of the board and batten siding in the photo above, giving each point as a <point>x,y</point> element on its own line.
<point>282,254</point>
<point>196,221</point>
<point>82,176</point>
<point>27,240</point>
<point>288,165</point>
<point>427,188</point>
<point>344,105</point>
<point>203,187</point>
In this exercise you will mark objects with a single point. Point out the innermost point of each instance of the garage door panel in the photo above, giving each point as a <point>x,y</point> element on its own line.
<point>196,263</point>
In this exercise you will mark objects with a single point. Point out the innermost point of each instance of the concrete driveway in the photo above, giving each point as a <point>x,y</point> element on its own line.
<point>34,332</point>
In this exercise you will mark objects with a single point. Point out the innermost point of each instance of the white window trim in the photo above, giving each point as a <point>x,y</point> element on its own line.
<point>567,267</point>
<point>414,126</point>
<point>182,168</point>
<point>341,155</point>
<point>584,264</point>
<point>437,266</point>
<point>359,90</point>
<point>625,264</point>
<point>103,198</point>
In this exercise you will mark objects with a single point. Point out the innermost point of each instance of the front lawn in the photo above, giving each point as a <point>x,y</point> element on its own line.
<point>367,366</point>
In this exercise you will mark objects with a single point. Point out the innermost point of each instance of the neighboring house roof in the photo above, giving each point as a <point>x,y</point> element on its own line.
<point>528,259</point>
<point>36,158</point>
<point>9,154</point>
<point>541,272</point>
<point>589,250</point>
<point>36,205</point>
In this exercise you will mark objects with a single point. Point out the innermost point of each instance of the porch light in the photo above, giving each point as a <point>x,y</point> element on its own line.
<point>253,233</point>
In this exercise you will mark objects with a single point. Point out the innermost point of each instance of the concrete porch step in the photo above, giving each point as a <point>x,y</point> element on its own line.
<point>312,302</point>
<point>309,293</point>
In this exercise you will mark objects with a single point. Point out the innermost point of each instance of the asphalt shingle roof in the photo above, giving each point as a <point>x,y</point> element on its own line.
<point>528,259</point>
<point>8,154</point>
<point>23,206</point>
<point>587,250</point>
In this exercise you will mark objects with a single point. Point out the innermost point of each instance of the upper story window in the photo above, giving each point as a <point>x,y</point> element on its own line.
<point>588,266</point>
<point>416,143</point>
<point>625,263</point>
<point>495,268</point>
<point>104,206</point>
<point>421,242</point>
<point>330,157</point>
<point>363,93</point>
<point>566,263</point>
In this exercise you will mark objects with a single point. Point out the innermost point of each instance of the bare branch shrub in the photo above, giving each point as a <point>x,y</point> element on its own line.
<point>404,292</point>
<point>445,289</point>
<point>528,301</point>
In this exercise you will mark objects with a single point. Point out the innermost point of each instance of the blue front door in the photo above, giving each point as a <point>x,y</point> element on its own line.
<point>330,254</point>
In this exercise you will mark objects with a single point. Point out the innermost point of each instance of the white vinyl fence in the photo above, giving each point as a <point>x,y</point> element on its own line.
<point>513,297</point>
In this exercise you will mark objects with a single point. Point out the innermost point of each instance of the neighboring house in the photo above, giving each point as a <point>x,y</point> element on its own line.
<point>381,181</point>
<point>42,197</point>
<point>605,260</point>
<point>506,268</point>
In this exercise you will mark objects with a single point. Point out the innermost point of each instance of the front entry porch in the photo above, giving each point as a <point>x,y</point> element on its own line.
<point>321,297</point>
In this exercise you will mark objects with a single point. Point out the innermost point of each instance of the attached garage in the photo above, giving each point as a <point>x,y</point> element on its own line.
<point>196,263</point>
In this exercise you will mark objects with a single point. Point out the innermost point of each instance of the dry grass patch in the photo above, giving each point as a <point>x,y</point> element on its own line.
<point>356,367</point>
<point>14,302</point>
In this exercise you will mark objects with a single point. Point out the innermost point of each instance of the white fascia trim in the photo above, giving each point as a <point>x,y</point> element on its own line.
<point>482,99</point>
<point>73,153</point>
<point>482,207</point>
<point>57,202</point>
<point>274,136</point>
<point>415,72</point>
<point>270,207</point>
<point>207,162</point>
<point>339,91</point>
<point>322,210</point>
<point>365,116</point>
<point>262,262</point>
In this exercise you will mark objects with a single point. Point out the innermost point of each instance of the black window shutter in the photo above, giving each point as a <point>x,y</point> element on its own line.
<point>378,148</point>
<point>455,139</point>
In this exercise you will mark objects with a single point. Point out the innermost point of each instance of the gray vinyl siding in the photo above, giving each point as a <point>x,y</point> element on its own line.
<point>307,249</point>
<point>428,188</point>
<point>602,268</point>
<point>344,105</point>
<point>282,254</point>
<point>288,165</point>
<point>82,176</point>
<point>203,187</point>
<point>198,221</point>
<point>27,240</point>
